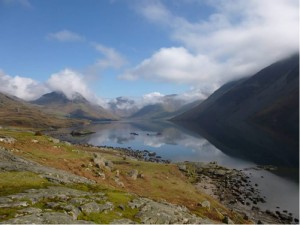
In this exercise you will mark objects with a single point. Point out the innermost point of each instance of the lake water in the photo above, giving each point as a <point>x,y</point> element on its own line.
<point>172,142</point>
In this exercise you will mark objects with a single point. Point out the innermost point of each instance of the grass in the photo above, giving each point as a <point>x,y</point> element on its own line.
<point>7,213</point>
<point>15,182</point>
<point>109,216</point>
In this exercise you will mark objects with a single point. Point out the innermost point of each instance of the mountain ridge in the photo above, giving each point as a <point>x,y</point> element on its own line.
<point>17,112</point>
<point>259,113</point>
<point>78,107</point>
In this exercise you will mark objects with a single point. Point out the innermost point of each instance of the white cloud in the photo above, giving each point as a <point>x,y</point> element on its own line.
<point>175,65</point>
<point>22,87</point>
<point>238,39</point>
<point>24,3</point>
<point>69,82</point>
<point>112,58</point>
<point>152,98</point>
<point>65,36</point>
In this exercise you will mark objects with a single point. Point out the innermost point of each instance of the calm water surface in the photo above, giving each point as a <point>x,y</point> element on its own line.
<point>176,144</point>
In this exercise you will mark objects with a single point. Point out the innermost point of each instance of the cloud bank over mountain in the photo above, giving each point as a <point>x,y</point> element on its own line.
<point>236,40</point>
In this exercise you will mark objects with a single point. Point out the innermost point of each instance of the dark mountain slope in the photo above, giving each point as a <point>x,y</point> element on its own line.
<point>266,104</point>
<point>78,107</point>
<point>161,111</point>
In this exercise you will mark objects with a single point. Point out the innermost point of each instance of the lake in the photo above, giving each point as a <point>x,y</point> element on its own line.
<point>173,142</point>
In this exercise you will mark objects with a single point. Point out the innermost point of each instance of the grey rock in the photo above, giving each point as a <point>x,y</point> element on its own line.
<point>205,204</point>
<point>93,207</point>
<point>109,164</point>
<point>5,200</point>
<point>163,213</point>
<point>45,218</point>
<point>34,141</point>
<point>50,193</point>
<point>99,161</point>
<point>122,207</point>
<point>118,182</point>
<point>72,211</point>
<point>8,140</point>
<point>122,221</point>
<point>79,201</point>
<point>182,167</point>
<point>227,220</point>
<point>133,174</point>
<point>14,204</point>
<point>30,210</point>
<point>67,143</point>
<point>53,205</point>
<point>54,140</point>
<point>220,172</point>
<point>151,154</point>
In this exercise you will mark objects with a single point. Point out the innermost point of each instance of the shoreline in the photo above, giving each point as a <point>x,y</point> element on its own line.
<point>223,183</point>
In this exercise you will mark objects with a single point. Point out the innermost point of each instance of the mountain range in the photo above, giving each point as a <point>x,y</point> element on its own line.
<point>168,107</point>
<point>77,107</point>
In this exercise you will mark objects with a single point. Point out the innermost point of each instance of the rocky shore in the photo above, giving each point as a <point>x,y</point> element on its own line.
<point>233,188</point>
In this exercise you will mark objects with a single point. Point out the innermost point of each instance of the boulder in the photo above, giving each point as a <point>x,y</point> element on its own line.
<point>182,167</point>
<point>109,164</point>
<point>227,220</point>
<point>99,161</point>
<point>8,140</point>
<point>34,141</point>
<point>133,174</point>
<point>122,221</point>
<point>151,154</point>
<point>205,204</point>
<point>45,218</point>
<point>54,140</point>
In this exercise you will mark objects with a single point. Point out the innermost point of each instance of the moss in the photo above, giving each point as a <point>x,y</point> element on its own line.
<point>15,182</point>
<point>108,217</point>
<point>119,197</point>
<point>7,213</point>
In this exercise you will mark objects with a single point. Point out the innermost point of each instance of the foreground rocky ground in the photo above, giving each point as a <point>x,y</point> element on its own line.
<point>45,180</point>
<point>68,204</point>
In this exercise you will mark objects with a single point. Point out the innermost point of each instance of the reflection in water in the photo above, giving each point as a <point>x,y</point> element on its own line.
<point>171,142</point>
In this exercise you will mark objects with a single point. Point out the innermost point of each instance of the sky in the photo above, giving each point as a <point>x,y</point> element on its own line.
<point>140,48</point>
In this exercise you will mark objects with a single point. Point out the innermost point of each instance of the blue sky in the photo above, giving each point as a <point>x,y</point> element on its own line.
<point>109,48</point>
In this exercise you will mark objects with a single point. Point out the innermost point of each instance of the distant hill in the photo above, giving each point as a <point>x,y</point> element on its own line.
<point>16,112</point>
<point>122,107</point>
<point>78,107</point>
<point>162,111</point>
<point>265,102</point>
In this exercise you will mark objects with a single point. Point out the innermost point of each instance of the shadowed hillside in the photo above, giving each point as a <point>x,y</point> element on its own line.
<point>245,111</point>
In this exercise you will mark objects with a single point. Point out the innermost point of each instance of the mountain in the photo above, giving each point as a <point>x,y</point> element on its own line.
<point>163,111</point>
<point>77,107</point>
<point>266,103</point>
<point>16,112</point>
<point>122,107</point>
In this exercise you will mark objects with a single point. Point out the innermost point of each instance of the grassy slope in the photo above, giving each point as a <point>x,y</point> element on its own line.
<point>161,181</point>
